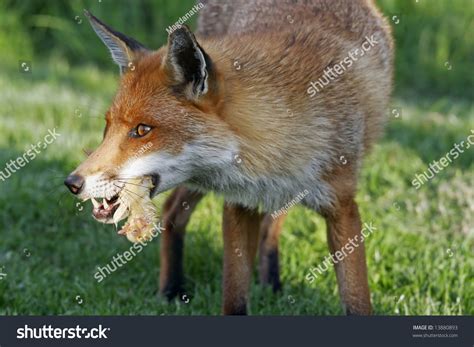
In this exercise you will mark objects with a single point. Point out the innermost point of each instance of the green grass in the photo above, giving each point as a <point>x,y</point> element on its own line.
<point>420,259</point>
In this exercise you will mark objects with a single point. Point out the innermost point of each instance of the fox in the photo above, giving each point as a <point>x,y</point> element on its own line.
<point>287,98</point>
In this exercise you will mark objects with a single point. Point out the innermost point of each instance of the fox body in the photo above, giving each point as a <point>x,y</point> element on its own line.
<point>245,113</point>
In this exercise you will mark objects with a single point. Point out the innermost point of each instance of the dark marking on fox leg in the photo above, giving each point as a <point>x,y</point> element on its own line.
<point>171,272</point>
<point>177,211</point>
<point>238,309</point>
<point>269,266</point>
<point>273,270</point>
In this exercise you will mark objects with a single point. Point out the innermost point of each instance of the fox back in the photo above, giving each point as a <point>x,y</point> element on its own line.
<point>291,134</point>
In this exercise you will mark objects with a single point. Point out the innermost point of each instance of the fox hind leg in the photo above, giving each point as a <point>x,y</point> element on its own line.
<point>351,272</point>
<point>241,230</point>
<point>346,241</point>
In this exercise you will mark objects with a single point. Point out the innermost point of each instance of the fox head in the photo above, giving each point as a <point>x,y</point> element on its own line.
<point>163,123</point>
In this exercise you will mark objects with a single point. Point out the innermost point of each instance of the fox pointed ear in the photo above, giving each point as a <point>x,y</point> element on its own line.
<point>189,65</point>
<point>124,49</point>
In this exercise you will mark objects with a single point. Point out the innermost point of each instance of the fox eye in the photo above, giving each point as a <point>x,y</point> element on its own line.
<point>139,131</point>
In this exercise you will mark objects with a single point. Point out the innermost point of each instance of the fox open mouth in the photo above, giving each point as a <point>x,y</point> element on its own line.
<point>114,209</point>
<point>104,212</point>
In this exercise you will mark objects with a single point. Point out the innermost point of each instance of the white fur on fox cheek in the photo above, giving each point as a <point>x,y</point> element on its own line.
<point>165,165</point>
<point>177,169</point>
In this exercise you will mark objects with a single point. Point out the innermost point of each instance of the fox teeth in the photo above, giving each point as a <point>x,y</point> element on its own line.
<point>121,211</point>
<point>104,202</point>
<point>95,203</point>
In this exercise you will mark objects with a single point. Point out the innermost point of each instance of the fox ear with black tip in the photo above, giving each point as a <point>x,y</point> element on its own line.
<point>189,65</point>
<point>124,50</point>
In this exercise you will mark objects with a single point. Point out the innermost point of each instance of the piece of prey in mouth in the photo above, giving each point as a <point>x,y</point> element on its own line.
<point>133,201</point>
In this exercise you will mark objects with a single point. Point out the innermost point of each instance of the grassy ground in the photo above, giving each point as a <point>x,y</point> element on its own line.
<point>420,258</point>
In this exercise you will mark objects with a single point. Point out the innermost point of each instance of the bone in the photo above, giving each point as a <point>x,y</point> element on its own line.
<point>121,211</point>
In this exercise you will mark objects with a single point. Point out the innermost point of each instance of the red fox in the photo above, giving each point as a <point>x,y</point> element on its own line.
<point>259,115</point>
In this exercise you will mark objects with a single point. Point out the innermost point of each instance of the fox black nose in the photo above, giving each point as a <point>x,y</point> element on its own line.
<point>74,183</point>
